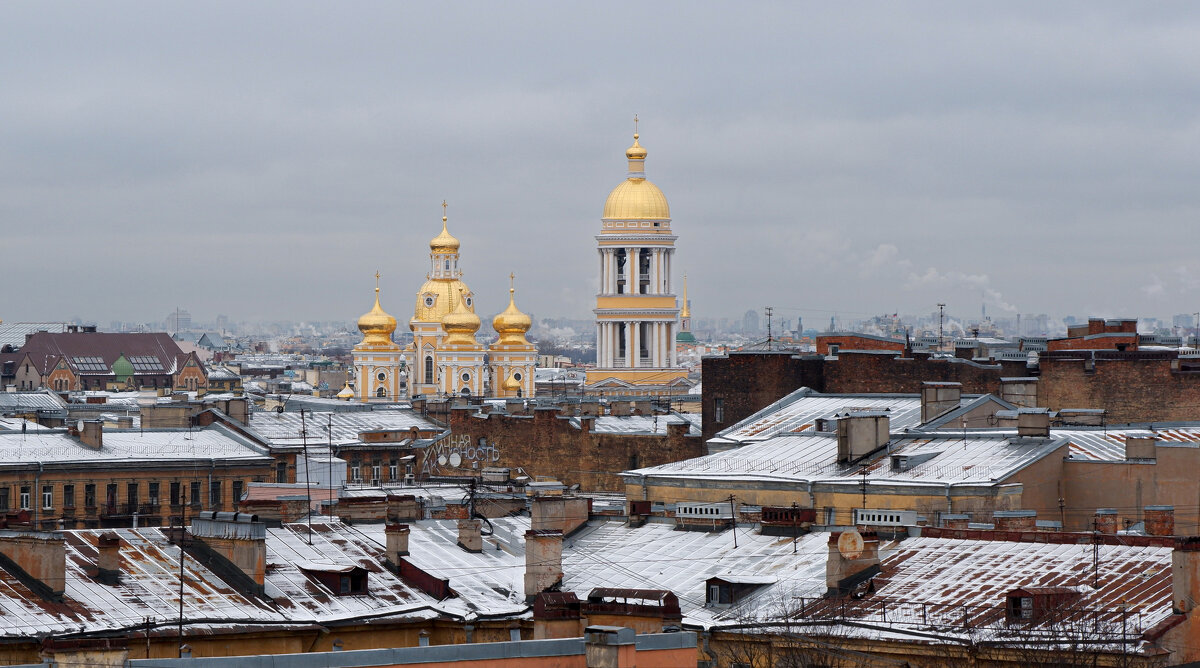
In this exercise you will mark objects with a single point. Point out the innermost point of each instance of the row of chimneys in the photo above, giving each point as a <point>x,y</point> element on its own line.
<point>1158,521</point>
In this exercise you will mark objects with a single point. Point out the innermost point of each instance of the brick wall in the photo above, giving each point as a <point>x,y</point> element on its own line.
<point>1132,387</point>
<point>745,382</point>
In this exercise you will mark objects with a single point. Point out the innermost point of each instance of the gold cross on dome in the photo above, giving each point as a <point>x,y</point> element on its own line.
<point>376,281</point>
<point>635,126</point>
<point>511,279</point>
<point>443,209</point>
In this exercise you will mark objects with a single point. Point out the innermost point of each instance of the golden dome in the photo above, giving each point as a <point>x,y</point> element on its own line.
<point>636,198</point>
<point>511,324</point>
<point>437,299</point>
<point>635,152</point>
<point>444,242</point>
<point>346,392</point>
<point>461,324</point>
<point>511,385</point>
<point>376,325</point>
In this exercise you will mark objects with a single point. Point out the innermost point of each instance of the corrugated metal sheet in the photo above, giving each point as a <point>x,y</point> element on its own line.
<point>283,429</point>
<point>800,411</point>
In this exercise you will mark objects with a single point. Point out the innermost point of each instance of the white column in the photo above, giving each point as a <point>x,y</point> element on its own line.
<point>671,336</point>
<point>600,252</point>
<point>657,349</point>
<point>599,344</point>
<point>609,344</point>
<point>637,343</point>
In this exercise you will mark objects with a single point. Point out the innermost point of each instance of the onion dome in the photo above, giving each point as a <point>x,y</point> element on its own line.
<point>444,242</point>
<point>511,386</point>
<point>346,394</point>
<point>376,325</point>
<point>511,324</point>
<point>636,198</point>
<point>461,324</point>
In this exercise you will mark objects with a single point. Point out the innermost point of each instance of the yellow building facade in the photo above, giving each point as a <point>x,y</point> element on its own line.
<point>637,313</point>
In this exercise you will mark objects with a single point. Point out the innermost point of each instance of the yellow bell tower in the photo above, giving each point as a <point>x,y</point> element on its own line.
<point>378,361</point>
<point>512,357</point>
<point>637,313</point>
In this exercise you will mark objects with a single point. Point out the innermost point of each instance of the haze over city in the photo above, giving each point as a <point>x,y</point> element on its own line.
<point>264,161</point>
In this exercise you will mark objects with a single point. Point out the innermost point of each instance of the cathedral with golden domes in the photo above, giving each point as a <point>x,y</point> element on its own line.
<point>445,356</point>
<point>637,313</point>
<point>637,316</point>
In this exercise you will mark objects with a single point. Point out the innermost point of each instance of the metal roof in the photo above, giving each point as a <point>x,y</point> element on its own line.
<point>157,445</point>
<point>800,410</point>
<point>283,429</point>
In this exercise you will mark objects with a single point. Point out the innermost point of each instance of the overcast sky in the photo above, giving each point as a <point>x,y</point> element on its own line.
<point>262,160</point>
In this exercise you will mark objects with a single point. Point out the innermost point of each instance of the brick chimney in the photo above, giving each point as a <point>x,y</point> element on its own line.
<point>41,556</point>
<point>955,521</point>
<point>1160,520</point>
<point>860,433</point>
<point>397,541</point>
<point>558,512</point>
<point>853,559</point>
<point>238,538</point>
<point>1014,520</point>
<point>609,646</point>
<point>470,535</point>
<point>1021,392</point>
<point>91,434</point>
<point>543,561</point>
<point>1140,447</point>
<point>108,559</point>
<point>1185,574</point>
<point>937,398</point>
<point>1033,423</point>
<point>1105,521</point>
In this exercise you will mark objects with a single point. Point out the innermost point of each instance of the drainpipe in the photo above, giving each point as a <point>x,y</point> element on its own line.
<point>212,466</point>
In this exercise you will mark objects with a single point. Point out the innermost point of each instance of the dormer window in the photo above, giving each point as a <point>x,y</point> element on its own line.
<point>340,580</point>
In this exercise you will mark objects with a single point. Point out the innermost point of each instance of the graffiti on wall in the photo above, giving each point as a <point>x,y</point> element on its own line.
<point>460,451</point>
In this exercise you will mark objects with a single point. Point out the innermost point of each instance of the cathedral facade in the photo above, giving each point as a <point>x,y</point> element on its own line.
<point>445,357</point>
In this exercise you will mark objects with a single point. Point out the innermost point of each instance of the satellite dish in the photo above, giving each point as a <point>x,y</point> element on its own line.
<point>441,460</point>
<point>850,544</point>
<point>455,459</point>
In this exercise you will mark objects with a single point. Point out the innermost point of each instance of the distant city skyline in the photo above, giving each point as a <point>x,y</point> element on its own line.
<point>263,161</point>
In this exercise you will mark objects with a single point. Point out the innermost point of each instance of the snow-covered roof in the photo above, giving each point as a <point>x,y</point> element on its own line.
<point>643,424</point>
<point>128,446</point>
<point>800,410</point>
<point>283,429</point>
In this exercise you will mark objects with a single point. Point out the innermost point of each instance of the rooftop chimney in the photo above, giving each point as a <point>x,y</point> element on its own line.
<point>238,538</point>
<point>37,558</point>
<point>91,434</point>
<point>1185,574</point>
<point>609,646</point>
<point>1021,392</point>
<point>1140,447</point>
<point>397,542</point>
<point>1014,520</point>
<point>937,398</point>
<point>860,433</point>
<point>853,560</point>
<point>1160,520</point>
<point>470,535</point>
<point>1033,423</point>
<point>1105,521</point>
<point>543,561</point>
<point>108,561</point>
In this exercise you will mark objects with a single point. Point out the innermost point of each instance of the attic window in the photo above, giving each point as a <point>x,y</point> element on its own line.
<point>340,580</point>
<point>719,595</point>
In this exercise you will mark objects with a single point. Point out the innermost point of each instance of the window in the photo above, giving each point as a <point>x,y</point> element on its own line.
<point>517,375</point>
<point>214,495</point>
<point>4,498</point>
<point>381,376</point>
<point>429,369</point>
<point>131,492</point>
<point>47,497</point>
<point>25,500</point>
<point>718,410</point>
<point>153,494</point>
<point>356,471</point>
<point>68,496</point>
<point>175,494</point>
<point>281,472</point>
<point>89,496</point>
<point>194,494</point>
<point>375,474</point>
<point>393,472</point>
<point>110,496</point>
<point>344,584</point>
<point>237,491</point>
<point>381,393</point>
<point>466,377</point>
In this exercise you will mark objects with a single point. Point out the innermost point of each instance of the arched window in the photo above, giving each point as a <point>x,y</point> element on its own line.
<point>381,393</point>
<point>429,369</point>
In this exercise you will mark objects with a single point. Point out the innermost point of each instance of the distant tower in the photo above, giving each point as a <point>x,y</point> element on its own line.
<point>685,318</point>
<point>512,357</point>
<point>378,361</point>
<point>637,314</point>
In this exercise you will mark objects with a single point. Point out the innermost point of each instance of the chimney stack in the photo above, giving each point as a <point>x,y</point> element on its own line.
<point>397,542</point>
<point>91,434</point>
<point>1033,423</point>
<point>41,555</point>
<point>853,559</point>
<point>1185,574</point>
<point>108,561</point>
<point>1160,520</point>
<point>1020,392</point>
<point>860,433</point>
<point>470,535</point>
<point>1014,520</point>
<point>1140,447</point>
<point>543,561</point>
<point>937,398</point>
<point>1106,521</point>
<point>239,538</point>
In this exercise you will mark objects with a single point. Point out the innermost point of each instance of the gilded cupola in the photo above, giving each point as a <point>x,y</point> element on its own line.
<point>461,325</point>
<point>376,325</point>
<point>636,198</point>
<point>511,324</point>
<point>444,242</point>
